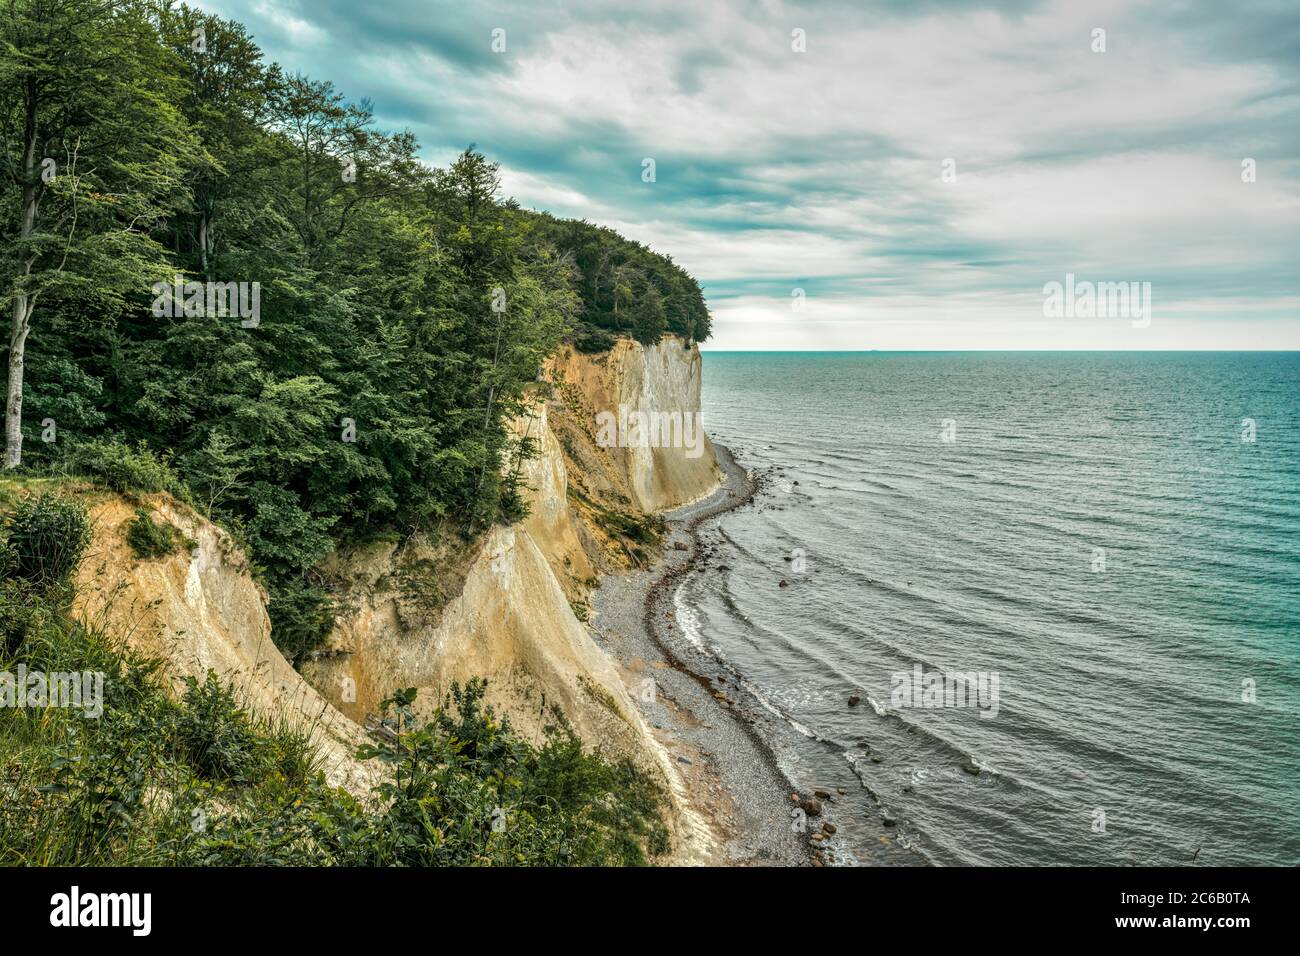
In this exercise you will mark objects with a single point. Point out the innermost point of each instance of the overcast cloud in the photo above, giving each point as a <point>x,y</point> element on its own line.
<point>821,170</point>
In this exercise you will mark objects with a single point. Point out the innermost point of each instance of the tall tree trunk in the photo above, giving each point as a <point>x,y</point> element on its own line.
<point>24,301</point>
<point>203,244</point>
<point>14,403</point>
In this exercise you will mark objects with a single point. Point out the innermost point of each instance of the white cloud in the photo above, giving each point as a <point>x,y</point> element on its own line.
<point>778,168</point>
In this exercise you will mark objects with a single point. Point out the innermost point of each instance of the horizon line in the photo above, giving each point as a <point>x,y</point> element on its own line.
<point>991,351</point>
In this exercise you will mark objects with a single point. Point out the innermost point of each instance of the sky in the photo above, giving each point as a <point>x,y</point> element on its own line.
<point>906,174</point>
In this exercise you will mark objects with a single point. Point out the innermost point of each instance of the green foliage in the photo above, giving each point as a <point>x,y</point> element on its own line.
<point>200,780</point>
<point>86,85</point>
<point>639,534</point>
<point>283,534</point>
<point>220,741</point>
<point>302,616</point>
<point>124,468</point>
<point>593,340</point>
<point>625,288</point>
<point>58,391</point>
<point>405,312</point>
<point>45,538</point>
<point>466,789</point>
<point>21,609</point>
<point>152,539</point>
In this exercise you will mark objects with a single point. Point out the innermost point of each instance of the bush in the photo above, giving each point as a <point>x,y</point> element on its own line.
<point>152,539</point>
<point>46,536</point>
<point>467,790</point>
<point>639,534</point>
<point>215,734</point>
<point>155,780</point>
<point>8,559</point>
<point>591,339</point>
<point>200,781</point>
<point>125,469</point>
<point>302,616</point>
<point>20,612</point>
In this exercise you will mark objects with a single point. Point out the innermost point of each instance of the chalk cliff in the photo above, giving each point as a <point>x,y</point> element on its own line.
<point>427,611</point>
<point>657,384</point>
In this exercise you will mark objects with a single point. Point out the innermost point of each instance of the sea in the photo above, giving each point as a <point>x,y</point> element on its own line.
<point>1062,588</point>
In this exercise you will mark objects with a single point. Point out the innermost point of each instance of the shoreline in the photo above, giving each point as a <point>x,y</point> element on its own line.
<point>701,714</point>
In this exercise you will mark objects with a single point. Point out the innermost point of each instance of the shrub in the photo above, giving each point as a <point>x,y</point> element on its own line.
<point>8,559</point>
<point>104,787</point>
<point>20,612</point>
<point>513,507</point>
<point>639,534</point>
<point>467,790</point>
<point>125,469</point>
<point>46,536</point>
<point>200,781</point>
<point>152,539</point>
<point>215,734</point>
<point>302,615</point>
<point>156,780</point>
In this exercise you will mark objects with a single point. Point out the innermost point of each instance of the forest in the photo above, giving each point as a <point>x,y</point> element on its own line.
<point>394,316</point>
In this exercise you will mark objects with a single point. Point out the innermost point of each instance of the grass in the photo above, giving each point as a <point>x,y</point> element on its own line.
<point>601,696</point>
<point>638,535</point>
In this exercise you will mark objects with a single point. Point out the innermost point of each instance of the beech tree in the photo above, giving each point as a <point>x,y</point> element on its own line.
<point>340,161</point>
<point>92,150</point>
<point>227,103</point>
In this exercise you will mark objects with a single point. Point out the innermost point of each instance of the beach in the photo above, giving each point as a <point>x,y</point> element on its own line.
<point>698,715</point>
<point>715,728</point>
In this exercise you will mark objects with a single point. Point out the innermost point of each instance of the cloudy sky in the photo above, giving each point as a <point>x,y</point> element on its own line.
<point>815,177</point>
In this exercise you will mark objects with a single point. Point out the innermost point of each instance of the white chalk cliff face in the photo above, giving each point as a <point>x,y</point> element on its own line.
<point>550,522</point>
<point>513,622</point>
<point>651,389</point>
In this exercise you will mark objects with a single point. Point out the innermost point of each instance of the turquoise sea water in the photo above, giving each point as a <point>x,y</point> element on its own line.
<point>1096,534</point>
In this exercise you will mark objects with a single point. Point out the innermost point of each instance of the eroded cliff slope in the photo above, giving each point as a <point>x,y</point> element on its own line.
<point>199,609</point>
<point>516,619</point>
